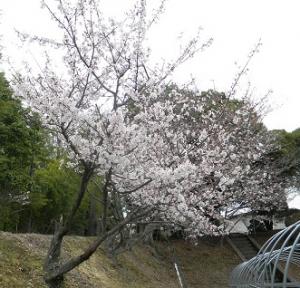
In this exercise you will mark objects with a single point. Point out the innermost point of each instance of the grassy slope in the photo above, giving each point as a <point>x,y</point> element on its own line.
<point>205,265</point>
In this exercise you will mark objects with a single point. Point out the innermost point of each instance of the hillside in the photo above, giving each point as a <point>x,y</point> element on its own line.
<point>205,265</point>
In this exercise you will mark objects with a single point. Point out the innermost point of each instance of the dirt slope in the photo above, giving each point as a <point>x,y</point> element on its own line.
<point>205,265</point>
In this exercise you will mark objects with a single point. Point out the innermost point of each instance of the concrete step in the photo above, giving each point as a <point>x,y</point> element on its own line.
<point>247,249</point>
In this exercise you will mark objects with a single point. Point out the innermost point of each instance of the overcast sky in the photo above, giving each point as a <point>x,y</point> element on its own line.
<point>235,25</point>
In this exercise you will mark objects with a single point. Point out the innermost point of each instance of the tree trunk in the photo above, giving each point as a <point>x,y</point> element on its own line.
<point>55,270</point>
<point>92,218</point>
<point>52,259</point>
<point>52,262</point>
<point>56,283</point>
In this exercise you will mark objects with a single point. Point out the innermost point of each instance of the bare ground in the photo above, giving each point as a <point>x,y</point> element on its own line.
<point>206,265</point>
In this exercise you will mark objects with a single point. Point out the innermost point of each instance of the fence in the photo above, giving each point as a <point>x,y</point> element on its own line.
<point>273,264</point>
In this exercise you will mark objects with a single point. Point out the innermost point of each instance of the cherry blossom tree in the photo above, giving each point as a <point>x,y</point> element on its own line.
<point>163,152</point>
<point>226,149</point>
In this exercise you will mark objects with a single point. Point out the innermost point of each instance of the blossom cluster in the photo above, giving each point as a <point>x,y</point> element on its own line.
<point>188,155</point>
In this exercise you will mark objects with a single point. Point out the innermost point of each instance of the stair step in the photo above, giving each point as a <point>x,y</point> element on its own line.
<point>249,250</point>
<point>244,245</point>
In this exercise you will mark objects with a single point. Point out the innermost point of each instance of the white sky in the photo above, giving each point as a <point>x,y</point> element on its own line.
<point>235,26</point>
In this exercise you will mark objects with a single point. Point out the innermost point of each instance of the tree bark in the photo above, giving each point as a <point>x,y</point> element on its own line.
<point>92,218</point>
<point>55,276</point>
<point>52,261</point>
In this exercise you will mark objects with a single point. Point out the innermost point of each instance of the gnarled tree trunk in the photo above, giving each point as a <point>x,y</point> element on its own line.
<point>52,262</point>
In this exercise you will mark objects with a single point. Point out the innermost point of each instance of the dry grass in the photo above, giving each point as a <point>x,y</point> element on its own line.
<point>205,265</point>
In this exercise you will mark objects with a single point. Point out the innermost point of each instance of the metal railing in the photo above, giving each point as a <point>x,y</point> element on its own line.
<point>271,266</point>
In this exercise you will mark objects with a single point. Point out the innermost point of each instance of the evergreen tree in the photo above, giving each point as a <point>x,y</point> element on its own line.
<point>22,149</point>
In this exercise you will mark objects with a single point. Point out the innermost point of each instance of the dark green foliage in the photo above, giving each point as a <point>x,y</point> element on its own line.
<point>289,152</point>
<point>36,191</point>
<point>290,142</point>
<point>293,216</point>
<point>54,187</point>
<point>21,149</point>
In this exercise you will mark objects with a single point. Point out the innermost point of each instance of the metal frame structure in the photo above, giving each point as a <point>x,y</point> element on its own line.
<point>270,267</point>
